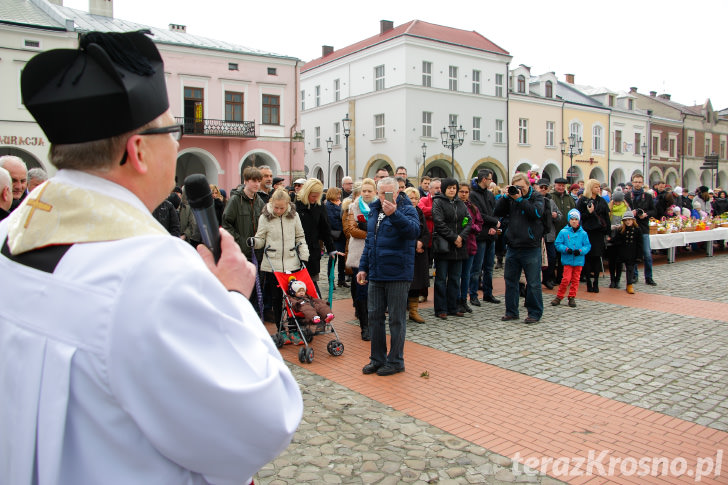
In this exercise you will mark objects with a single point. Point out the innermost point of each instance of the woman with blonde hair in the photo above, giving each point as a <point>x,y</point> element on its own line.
<point>280,228</point>
<point>315,222</point>
<point>355,228</point>
<point>595,221</point>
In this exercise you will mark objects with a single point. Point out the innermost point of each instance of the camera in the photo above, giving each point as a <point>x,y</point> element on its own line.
<point>513,190</point>
<point>589,203</point>
<point>639,212</point>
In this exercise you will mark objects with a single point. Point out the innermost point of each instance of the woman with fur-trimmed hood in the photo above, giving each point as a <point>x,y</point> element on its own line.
<point>279,227</point>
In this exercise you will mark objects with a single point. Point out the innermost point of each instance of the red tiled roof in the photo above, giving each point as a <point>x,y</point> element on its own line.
<point>415,28</point>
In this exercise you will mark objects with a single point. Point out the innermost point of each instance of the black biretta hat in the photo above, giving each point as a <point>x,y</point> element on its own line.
<point>113,83</point>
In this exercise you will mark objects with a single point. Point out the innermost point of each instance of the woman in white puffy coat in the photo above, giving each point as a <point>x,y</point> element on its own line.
<point>280,228</point>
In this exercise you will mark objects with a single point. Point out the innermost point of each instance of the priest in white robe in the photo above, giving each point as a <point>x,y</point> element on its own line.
<point>126,357</point>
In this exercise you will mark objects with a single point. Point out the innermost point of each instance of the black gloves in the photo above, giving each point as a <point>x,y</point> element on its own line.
<point>577,252</point>
<point>569,251</point>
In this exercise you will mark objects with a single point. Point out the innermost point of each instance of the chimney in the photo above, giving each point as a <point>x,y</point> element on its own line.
<point>385,26</point>
<point>182,29</point>
<point>105,8</point>
<point>653,94</point>
<point>633,90</point>
<point>664,96</point>
<point>326,50</point>
<point>569,78</point>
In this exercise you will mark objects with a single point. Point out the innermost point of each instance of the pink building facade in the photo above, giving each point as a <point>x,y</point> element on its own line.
<point>239,106</point>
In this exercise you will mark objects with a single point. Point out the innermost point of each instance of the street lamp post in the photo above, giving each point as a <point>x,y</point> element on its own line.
<point>575,148</point>
<point>346,122</point>
<point>452,137</point>
<point>329,146</point>
<point>644,157</point>
<point>424,161</point>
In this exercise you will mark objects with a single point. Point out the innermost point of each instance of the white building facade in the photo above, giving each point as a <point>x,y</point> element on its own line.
<point>400,89</point>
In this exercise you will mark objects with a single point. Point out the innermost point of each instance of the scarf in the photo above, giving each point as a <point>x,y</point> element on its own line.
<point>364,208</point>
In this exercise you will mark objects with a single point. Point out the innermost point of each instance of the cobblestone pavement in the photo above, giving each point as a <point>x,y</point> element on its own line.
<point>657,360</point>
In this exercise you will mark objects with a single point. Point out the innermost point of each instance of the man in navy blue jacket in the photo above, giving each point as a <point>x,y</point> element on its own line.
<point>387,264</point>
<point>524,208</point>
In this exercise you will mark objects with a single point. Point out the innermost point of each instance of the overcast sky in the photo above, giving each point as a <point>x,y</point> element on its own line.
<point>668,46</point>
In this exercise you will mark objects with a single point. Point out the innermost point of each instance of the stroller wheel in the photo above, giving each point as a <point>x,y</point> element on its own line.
<point>305,355</point>
<point>277,339</point>
<point>335,348</point>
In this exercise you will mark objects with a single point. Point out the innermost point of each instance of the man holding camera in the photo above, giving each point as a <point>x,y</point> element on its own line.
<point>524,208</point>
<point>388,265</point>
<point>643,206</point>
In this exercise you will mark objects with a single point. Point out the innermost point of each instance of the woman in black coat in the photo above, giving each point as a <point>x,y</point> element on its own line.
<point>451,229</point>
<point>333,211</point>
<point>421,278</point>
<point>595,220</point>
<point>315,222</point>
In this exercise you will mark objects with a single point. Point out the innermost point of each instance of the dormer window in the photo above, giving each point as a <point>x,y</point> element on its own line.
<point>611,101</point>
<point>522,84</point>
<point>549,89</point>
<point>630,104</point>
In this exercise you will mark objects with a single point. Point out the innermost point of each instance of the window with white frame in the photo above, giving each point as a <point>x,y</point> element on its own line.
<point>691,144</point>
<point>317,90</point>
<point>337,133</point>
<point>523,131</point>
<point>379,78</point>
<point>656,146</point>
<point>476,82</point>
<point>426,74</point>
<point>453,78</point>
<point>550,128</point>
<point>597,138</point>
<point>379,126</point>
<point>499,131</point>
<point>317,137</point>
<point>575,129</point>
<point>499,85</point>
<point>708,145</point>
<point>638,143</point>
<point>673,144</point>
<point>337,89</point>
<point>452,120</point>
<point>722,149</point>
<point>427,124</point>
<point>303,100</point>
<point>630,104</point>
<point>549,89</point>
<point>476,128</point>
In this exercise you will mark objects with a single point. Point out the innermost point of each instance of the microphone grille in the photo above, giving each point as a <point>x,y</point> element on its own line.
<point>198,191</point>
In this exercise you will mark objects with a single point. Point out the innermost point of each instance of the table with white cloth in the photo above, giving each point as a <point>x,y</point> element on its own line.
<point>676,239</point>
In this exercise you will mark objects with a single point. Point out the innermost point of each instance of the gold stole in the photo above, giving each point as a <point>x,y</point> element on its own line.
<point>58,213</point>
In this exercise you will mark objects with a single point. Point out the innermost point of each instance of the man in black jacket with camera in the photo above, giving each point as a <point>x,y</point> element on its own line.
<point>524,207</point>
<point>643,206</point>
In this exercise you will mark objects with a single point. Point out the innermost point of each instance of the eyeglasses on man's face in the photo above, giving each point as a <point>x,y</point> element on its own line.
<point>174,130</point>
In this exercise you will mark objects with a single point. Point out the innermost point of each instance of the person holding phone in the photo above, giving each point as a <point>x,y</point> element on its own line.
<point>387,264</point>
<point>524,208</point>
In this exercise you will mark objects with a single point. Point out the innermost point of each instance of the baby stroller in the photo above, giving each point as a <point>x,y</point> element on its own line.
<point>293,320</point>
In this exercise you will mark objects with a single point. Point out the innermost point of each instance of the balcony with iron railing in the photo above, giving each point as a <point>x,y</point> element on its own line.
<point>210,127</point>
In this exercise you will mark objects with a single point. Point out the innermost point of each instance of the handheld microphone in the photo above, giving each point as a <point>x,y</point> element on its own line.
<point>199,197</point>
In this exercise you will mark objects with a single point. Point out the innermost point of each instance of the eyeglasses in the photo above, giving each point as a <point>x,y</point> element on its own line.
<point>174,130</point>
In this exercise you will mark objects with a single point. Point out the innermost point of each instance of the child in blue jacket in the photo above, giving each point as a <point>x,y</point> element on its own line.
<point>573,243</point>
